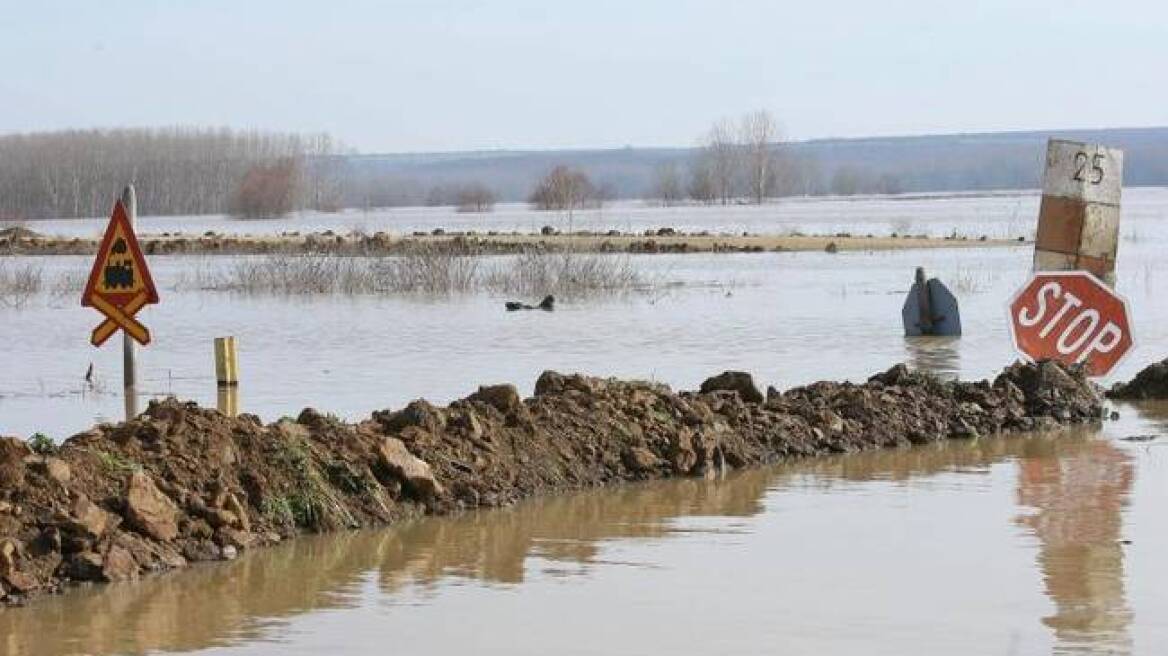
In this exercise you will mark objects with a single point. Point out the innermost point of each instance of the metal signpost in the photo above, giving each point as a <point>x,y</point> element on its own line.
<point>119,286</point>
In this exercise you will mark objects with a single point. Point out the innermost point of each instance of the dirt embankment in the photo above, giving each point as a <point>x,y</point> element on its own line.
<point>182,484</point>
<point>1150,383</point>
<point>664,240</point>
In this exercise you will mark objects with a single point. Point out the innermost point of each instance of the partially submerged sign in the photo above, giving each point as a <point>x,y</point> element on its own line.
<point>119,284</point>
<point>1071,317</point>
<point>1078,221</point>
<point>930,309</point>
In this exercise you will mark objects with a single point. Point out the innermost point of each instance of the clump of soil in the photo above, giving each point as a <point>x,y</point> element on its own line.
<point>1151,383</point>
<point>181,484</point>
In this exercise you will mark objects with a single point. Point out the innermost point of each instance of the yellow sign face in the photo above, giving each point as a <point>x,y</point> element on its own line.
<point>120,274</point>
<point>119,284</point>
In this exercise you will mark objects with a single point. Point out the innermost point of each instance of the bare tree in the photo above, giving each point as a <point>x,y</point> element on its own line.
<point>175,170</point>
<point>758,132</point>
<point>701,180</point>
<point>475,197</point>
<point>721,157</point>
<point>268,190</point>
<point>564,189</point>
<point>667,186</point>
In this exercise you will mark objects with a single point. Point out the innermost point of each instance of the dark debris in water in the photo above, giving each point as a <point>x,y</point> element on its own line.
<point>1139,438</point>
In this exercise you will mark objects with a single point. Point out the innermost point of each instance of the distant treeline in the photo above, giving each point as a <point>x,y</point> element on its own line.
<point>174,170</point>
<point>727,166</point>
<point>211,171</point>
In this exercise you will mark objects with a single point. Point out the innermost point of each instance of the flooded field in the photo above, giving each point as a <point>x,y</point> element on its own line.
<point>997,546</point>
<point>788,318</point>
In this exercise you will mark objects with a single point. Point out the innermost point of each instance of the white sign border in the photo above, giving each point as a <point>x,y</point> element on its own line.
<point>1078,273</point>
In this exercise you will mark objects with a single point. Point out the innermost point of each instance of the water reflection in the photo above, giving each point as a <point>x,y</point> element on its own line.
<point>1077,501</point>
<point>936,355</point>
<point>1077,484</point>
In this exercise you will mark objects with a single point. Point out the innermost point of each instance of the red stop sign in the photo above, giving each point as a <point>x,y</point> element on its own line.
<point>1072,317</point>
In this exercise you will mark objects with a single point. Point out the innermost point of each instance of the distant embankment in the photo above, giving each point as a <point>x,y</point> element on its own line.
<point>665,240</point>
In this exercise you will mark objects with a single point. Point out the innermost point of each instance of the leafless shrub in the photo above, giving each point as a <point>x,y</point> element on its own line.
<point>566,273</point>
<point>426,268</point>
<point>19,282</point>
<point>68,285</point>
<point>475,197</point>
<point>285,273</point>
<point>903,226</point>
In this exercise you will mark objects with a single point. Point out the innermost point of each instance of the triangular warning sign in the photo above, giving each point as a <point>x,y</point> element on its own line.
<point>119,272</point>
<point>119,284</point>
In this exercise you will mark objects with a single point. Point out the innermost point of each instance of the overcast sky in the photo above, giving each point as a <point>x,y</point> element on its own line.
<point>465,74</point>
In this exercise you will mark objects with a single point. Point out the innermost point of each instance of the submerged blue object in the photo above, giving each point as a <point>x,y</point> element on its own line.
<point>930,309</point>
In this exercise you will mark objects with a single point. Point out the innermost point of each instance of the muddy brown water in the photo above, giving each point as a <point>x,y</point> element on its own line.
<point>1012,547</point>
<point>1052,543</point>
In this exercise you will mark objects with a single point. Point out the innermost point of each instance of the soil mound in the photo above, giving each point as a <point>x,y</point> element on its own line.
<point>181,483</point>
<point>18,233</point>
<point>1151,383</point>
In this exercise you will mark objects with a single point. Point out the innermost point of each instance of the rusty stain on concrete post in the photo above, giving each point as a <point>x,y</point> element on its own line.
<point>1078,221</point>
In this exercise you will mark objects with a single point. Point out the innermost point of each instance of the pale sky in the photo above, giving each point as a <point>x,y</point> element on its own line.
<point>418,75</point>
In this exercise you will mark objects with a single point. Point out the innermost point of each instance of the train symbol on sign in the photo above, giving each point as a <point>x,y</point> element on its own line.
<point>118,273</point>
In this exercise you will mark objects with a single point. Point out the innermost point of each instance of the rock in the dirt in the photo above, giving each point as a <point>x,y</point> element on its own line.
<point>734,381</point>
<point>54,469</point>
<point>1049,387</point>
<point>411,470</point>
<point>13,451</point>
<point>312,418</point>
<point>233,505</point>
<point>219,517</point>
<point>230,537</point>
<point>552,382</point>
<point>418,413</point>
<point>88,520</point>
<point>640,459</point>
<point>9,550</point>
<point>148,510</point>
<point>119,565</point>
<point>504,398</point>
<point>84,566</point>
<point>22,582</point>
<point>1151,383</point>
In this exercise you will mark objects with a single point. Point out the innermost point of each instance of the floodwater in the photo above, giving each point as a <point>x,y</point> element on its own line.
<point>1054,543</point>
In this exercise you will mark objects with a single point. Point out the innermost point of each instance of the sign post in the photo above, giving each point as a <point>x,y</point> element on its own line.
<point>1078,220</point>
<point>1071,317</point>
<point>119,286</point>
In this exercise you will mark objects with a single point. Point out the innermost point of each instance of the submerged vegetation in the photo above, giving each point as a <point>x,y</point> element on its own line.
<point>19,282</point>
<point>425,269</point>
